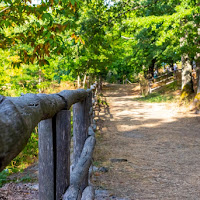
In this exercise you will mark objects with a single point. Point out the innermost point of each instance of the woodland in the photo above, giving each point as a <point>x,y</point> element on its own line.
<point>49,42</point>
<point>46,43</point>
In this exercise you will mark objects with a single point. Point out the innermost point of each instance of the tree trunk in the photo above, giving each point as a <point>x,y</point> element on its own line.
<point>78,82</point>
<point>88,81</point>
<point>100,87</point>
<point>152,66</point>
<point>187,85</point>
<point>198,73</point>
<point>39,79</point>
<point>198,63</point>
<point>171,65</point>
<point>84,80</point>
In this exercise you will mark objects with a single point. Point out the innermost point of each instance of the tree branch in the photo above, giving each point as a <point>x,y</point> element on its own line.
<point>4,9</point>
<point>127,38</point>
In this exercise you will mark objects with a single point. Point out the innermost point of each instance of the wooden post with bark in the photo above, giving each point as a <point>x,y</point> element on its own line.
<point>46,160</point>
<point>20,115</point>
<point>54,155</point>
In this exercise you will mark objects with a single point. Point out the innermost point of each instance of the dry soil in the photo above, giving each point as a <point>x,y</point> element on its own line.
<point>160,142</point>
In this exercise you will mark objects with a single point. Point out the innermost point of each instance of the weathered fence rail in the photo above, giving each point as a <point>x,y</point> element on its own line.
<point>162,80</point>
<point>20,115</point>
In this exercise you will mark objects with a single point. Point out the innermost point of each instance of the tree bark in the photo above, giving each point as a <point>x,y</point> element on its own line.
<point>187,85</point>
<point>152,66</point>
<point>198,62</point>
<point>78,82</point>
<point>84,81</point>
<point>198,74</point>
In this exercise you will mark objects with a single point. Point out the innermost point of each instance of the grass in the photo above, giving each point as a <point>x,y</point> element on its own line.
<point>168,93</point>
<point>155,98</point>
<point>3,177</point>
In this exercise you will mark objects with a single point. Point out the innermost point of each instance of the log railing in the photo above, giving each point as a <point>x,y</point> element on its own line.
<point>162,80</point>
<point>19,116</point>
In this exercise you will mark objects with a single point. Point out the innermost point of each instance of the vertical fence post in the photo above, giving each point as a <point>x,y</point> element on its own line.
<point>81,121</point>
<point>54,156</point>
<point>46,160</point>
<point>63,135</point>
<point>89,106</point>
<point>79,129</point>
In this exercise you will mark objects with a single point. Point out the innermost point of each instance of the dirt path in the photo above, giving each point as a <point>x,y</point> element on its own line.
<point>161,145</point>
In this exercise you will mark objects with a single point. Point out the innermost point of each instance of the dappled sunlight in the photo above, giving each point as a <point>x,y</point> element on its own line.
<point>160,142</point>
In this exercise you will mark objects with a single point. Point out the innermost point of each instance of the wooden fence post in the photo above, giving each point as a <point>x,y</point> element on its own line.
<point>46,160</point>
<point>79,129</point>
<point>63,137</point>
<point>54,156</point>
<point>89,106</point>
<point>81,122</point>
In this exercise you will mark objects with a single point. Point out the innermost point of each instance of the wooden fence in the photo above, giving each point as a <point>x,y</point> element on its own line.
<point>19,116</point>
<point>162,80</point>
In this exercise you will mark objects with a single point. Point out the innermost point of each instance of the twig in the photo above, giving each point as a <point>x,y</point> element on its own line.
<point>4,9</point>
<point>127,38</point>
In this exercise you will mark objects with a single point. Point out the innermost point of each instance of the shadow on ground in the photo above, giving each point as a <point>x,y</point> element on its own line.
<point>160,143</point>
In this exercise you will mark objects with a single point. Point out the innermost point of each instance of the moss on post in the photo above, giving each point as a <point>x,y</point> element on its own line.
<point>187,92</point>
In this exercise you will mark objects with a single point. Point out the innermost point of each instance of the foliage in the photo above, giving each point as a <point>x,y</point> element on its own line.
<point>34,31</point>
<point>3,177</point>
<point>154,32</point>
<point>94,38</point>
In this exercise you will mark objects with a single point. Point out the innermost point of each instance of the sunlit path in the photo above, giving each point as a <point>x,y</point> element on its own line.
<point>160,142</point>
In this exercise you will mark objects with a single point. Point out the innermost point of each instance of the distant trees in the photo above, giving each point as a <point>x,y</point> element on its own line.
<point>161,32</point>
<point>71,38</point>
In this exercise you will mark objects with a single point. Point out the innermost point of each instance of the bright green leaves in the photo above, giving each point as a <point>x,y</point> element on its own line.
<point>39,25</point>
<point>47,16</point>
<point>88,34</point>
<point>73,2</point>
<point>154,31</point>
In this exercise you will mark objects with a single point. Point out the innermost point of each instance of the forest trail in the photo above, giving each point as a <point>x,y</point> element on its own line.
<point>160,142</point>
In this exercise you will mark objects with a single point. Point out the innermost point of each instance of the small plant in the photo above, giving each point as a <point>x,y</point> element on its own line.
<point>25,179</point>
<point>3,177</point>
